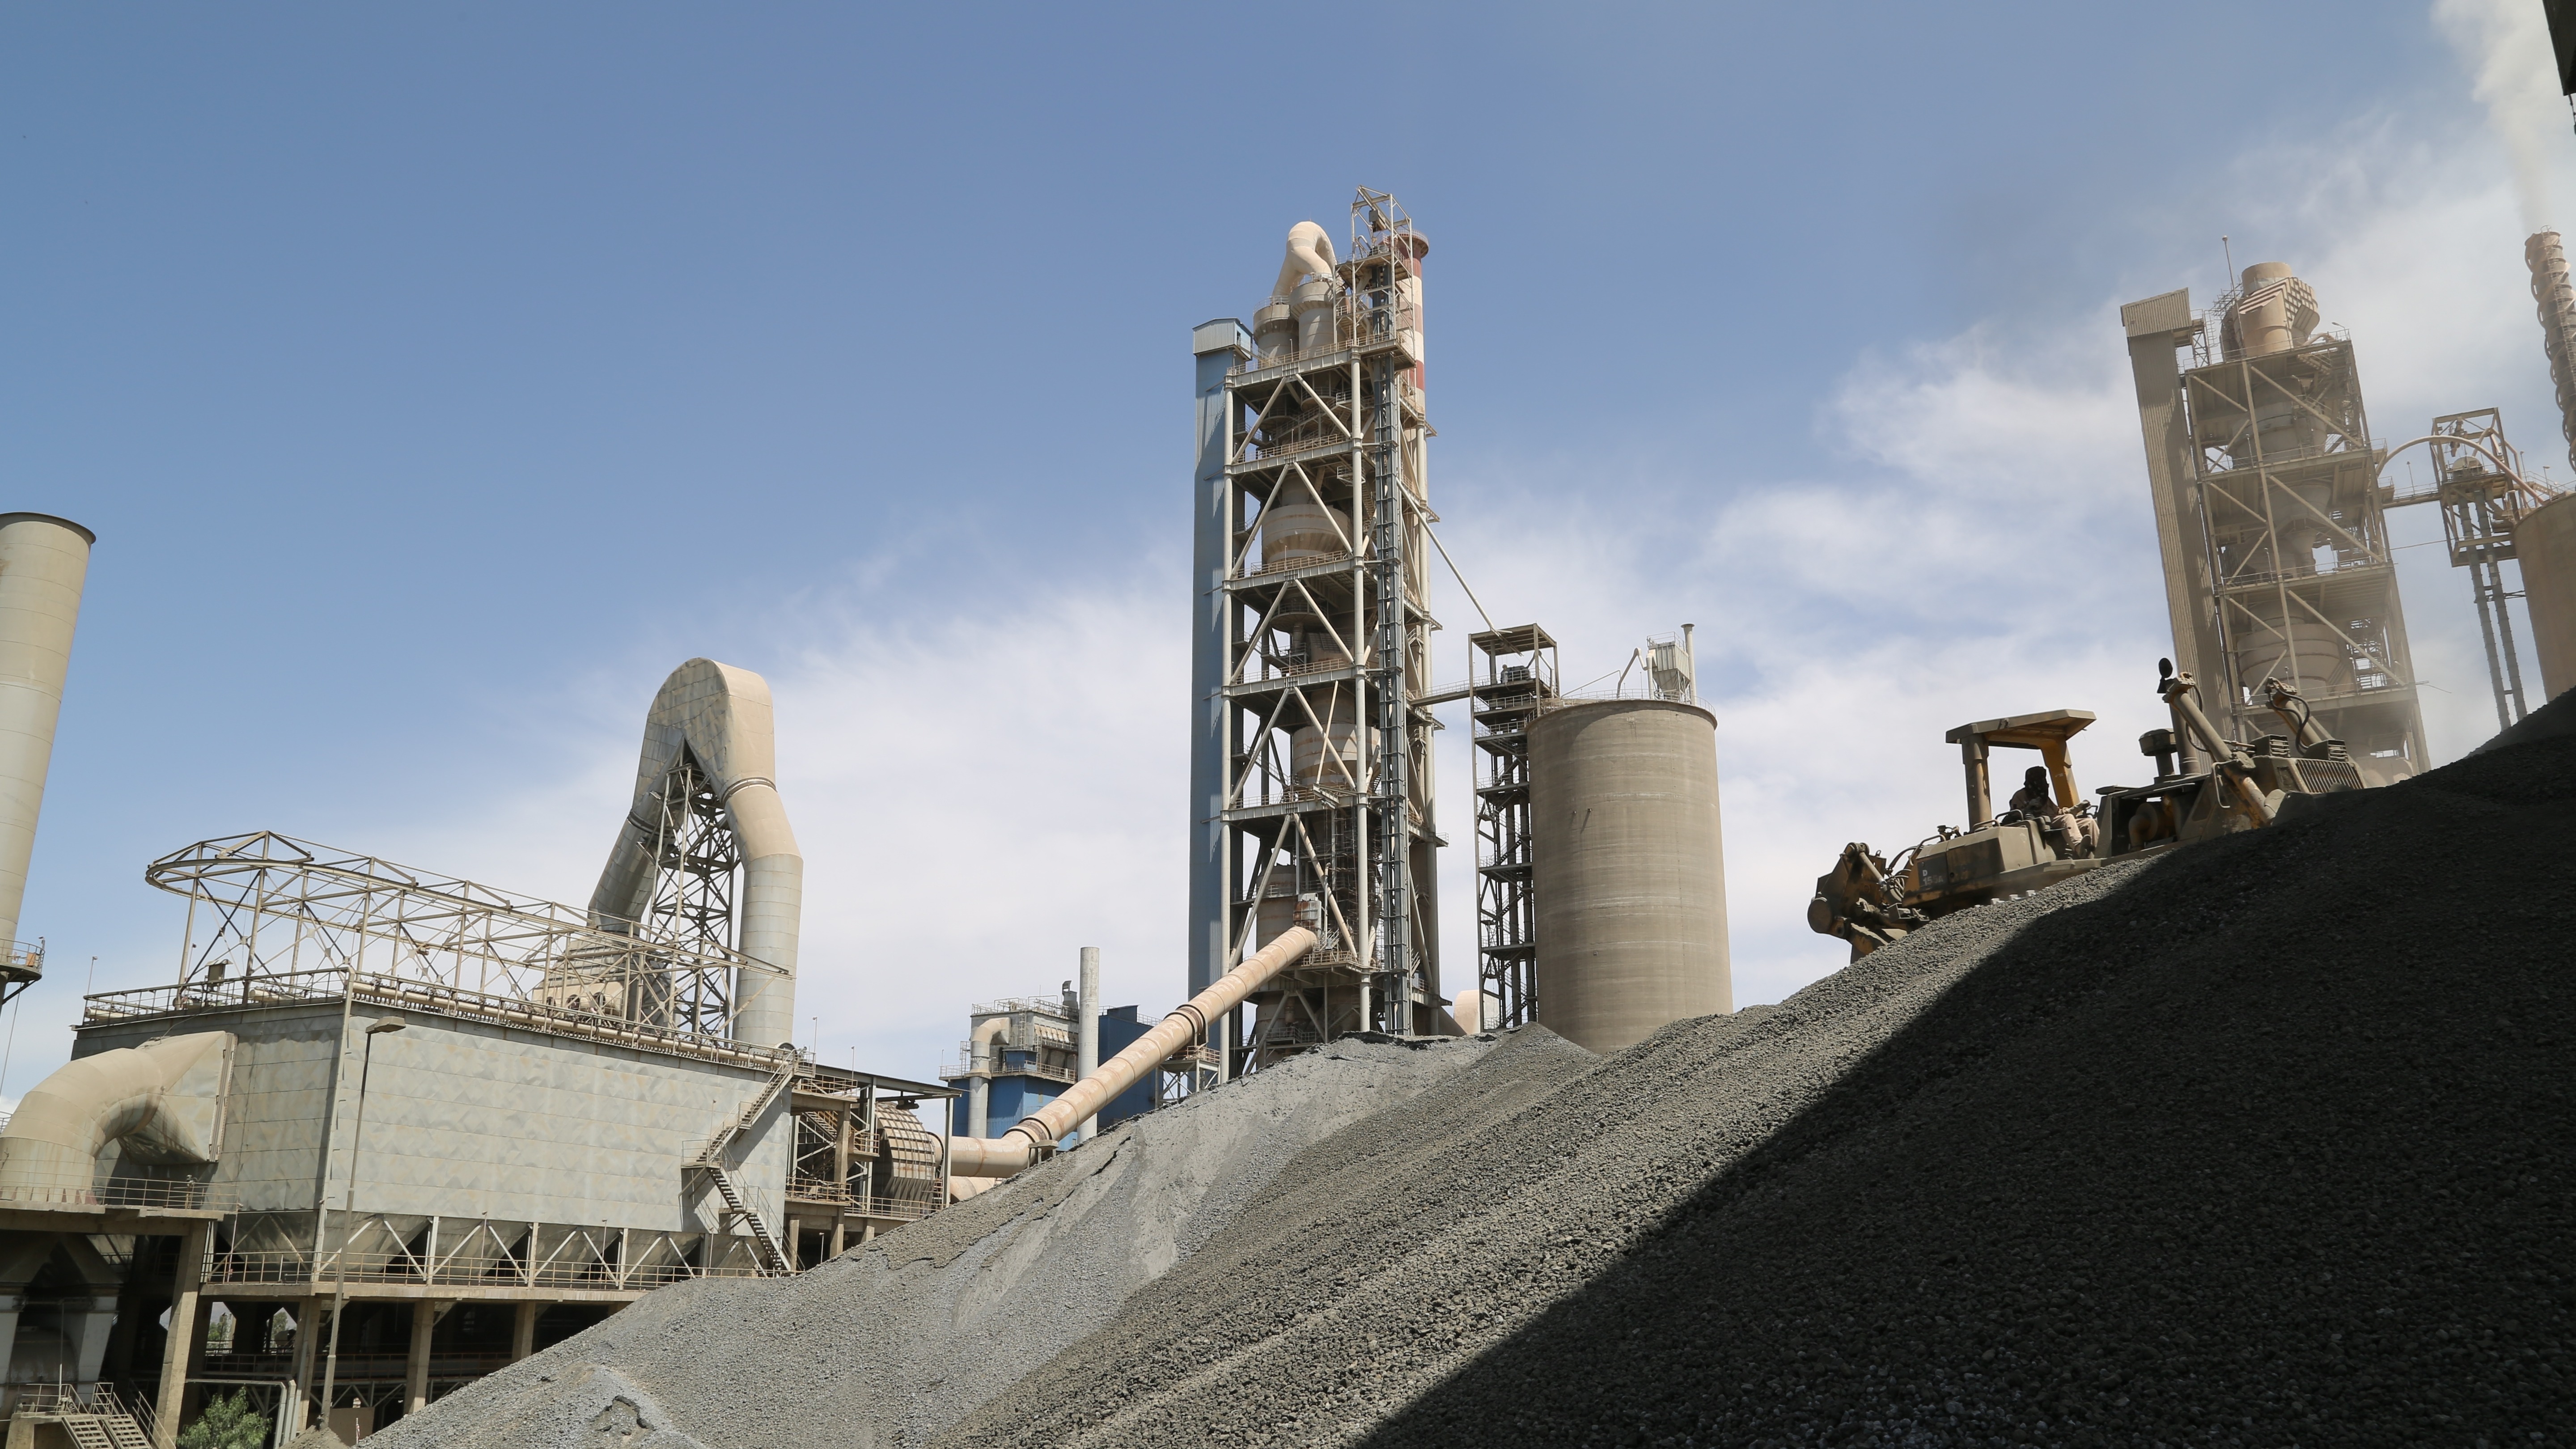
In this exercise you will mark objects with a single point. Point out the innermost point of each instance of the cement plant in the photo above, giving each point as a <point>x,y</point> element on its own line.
<point>2224,1102</point>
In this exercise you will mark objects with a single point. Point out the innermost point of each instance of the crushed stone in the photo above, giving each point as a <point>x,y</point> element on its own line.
<point>890,1343</point>
<point>2262,1141</point>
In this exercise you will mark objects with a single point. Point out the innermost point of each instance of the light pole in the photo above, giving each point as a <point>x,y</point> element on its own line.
<point>357,1137</point>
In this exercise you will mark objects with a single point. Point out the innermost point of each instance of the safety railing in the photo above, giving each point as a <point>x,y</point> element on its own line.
<point>309,987</point>
<point>802,1189</point>
<point>405,1268</point>
<point>119,1192</point>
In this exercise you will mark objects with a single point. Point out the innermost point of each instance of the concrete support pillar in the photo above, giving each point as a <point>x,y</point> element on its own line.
<point>308,1348</point>
<point>424,1326</point>
<point>523,1332</point>
<point>840,1234</point>
<point>88,1323</point>
<point>176,1354</point>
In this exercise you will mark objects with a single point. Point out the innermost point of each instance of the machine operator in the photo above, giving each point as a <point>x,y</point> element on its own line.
<point>2073,836</point>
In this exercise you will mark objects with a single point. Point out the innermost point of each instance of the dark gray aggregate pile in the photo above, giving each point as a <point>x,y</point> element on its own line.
<point>2266,1141</point>
<point>888,1345</point>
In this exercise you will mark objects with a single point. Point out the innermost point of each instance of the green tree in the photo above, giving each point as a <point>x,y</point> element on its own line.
<point>228,1423</point>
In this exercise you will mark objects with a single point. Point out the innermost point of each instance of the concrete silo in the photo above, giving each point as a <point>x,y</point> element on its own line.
<point>2545,541</point>
<point>1630,878</point>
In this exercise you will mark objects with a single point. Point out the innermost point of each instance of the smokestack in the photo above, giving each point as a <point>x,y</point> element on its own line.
<point>43,561</point>
<point>2556,302</point>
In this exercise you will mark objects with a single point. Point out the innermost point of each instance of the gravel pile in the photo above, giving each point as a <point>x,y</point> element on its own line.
<point>2263,1142</point>
<point>2267,1141</point>
<point>888,1345</point>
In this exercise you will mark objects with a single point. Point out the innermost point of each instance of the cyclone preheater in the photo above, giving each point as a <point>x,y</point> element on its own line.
<point>1018,1148</point>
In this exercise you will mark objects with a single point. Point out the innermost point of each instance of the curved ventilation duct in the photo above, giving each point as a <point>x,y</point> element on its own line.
<point>163,1101</point>
<point>719,718</point>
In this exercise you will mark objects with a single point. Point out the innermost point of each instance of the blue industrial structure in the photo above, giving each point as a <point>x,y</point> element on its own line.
<point>1031,1049</point>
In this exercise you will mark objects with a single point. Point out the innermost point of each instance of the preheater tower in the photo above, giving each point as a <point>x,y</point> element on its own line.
<point>2267,506</point>
<point>1311,786</point>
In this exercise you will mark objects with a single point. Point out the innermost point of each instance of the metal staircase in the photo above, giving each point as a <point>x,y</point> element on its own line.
<point>710,1160</point>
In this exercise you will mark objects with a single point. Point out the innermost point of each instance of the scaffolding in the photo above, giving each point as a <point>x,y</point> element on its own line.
<point>1515,675</point>
<point>1319,747</point>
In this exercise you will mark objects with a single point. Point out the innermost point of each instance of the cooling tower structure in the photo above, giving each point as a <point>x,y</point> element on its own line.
<point>43,563</point>
<point>1311,785</point>
<point>1630,875</point>
<point>2268,515</point>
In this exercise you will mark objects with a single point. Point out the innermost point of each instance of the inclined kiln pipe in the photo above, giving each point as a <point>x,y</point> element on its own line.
<point>1018,1148</point>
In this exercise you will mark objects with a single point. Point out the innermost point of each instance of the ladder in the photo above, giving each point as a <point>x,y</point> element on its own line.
<point>710,1160</point>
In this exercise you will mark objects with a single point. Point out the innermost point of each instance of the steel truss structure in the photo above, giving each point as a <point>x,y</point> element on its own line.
<point>1320,644</point>
<point>2480,505</point>
<point>471,1257</point>
<point>1515,676</point>
<point>269,915</point>
<point>2300,583</point>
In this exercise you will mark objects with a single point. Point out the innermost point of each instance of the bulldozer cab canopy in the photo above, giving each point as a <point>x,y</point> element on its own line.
<point>2047,732</point>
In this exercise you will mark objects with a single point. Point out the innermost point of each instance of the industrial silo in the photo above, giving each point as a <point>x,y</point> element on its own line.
<point>2545,542</point>
<point>1627,874</point>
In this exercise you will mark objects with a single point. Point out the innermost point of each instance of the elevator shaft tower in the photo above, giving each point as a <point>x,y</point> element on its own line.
<point>1311,745</point>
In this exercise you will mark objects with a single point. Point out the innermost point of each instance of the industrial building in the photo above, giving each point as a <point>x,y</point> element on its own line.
<point>405,1128</point>
<point>1022,1053</point>
<point>2272,497</point>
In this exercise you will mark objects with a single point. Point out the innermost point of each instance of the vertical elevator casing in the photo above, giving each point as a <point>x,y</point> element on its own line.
<point>1627,870</point>
<point>2545,542</point>
<point>43,562</point>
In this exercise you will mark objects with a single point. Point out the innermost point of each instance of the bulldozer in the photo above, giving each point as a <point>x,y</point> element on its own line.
<point>2206,785</point>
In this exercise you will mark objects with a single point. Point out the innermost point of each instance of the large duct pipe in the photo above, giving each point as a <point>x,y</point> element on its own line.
<point>43,562</point>
<point>1014,1150</point>
<point>162,1100</point>
<point>979,1082</point>
<point>722,717</point>
<point>2555,300</point>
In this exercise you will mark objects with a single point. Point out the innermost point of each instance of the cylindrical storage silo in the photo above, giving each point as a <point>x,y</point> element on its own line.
<point>2545,542</point>
<point>43,562</point>
<point>1628,876</point>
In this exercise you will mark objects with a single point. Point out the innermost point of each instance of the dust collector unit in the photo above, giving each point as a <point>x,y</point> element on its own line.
<point>43,562</point>
<point>1628,873</point>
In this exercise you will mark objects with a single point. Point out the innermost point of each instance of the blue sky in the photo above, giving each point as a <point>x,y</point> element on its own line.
<point>437,378</point>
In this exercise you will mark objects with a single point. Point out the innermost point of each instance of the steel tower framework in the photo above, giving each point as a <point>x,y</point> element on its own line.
<point>1312,748</point>
<point>2270,511</point>
<point>2480,506</point>
<point>1516,676</point>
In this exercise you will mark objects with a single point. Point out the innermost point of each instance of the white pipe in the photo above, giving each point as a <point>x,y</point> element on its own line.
<point>1086,1032</point>
<point>43,563</point>
<point>1016,1149</point>
<point>723,717</point>
<point>160,1099</point>
<point>1310,254</point>
<point>979,1084</point>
